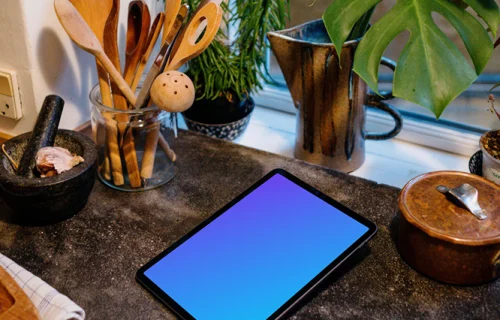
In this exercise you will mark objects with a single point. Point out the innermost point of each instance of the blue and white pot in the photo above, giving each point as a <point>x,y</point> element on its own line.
<point>204,117</point>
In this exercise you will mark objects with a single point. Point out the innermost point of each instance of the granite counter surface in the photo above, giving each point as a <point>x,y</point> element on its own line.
<point>93,257</point>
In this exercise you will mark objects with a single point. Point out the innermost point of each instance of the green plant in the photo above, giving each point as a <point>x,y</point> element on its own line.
<point>431,71</point>
<point>238,67</point>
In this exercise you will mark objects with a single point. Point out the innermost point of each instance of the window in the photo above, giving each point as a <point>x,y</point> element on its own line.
<point>467,115</point>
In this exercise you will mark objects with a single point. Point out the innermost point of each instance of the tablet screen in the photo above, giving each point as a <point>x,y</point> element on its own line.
<point>257,255</point>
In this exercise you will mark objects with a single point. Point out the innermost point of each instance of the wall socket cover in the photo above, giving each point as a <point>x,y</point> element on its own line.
<point>10,98</point>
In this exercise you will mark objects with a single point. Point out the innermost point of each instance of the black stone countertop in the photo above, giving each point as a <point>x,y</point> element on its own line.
<point>93,257</point>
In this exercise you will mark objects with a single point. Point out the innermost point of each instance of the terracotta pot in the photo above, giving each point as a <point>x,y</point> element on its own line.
<point>329,96</point>
<point>441,239</point>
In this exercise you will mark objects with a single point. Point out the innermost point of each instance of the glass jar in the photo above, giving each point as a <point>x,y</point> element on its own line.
<point>134,152</point>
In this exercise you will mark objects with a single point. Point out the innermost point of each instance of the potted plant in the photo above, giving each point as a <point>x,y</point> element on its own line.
<point>317,59</point>
<point>490,146</point>
<point>230,70</point>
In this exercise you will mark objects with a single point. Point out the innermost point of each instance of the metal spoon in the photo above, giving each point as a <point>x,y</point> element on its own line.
<point>468,196</point>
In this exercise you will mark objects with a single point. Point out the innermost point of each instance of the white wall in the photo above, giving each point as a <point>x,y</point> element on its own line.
<point>14,55</point>
<point>33,43</point>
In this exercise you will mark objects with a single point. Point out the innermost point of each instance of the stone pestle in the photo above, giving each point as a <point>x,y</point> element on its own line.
<point>43,135</point>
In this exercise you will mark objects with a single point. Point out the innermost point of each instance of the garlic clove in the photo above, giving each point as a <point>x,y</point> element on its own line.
<point>55,160</point>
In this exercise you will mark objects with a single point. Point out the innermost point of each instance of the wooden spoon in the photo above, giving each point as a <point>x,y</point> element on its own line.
<point>150,43</point>
<point>111,49</point>
<point>188,45</point>
<point>79,31</point>
<point>172,7</point>
<point>96,14</point>
<point>173,91</point>
<point>139,21</point>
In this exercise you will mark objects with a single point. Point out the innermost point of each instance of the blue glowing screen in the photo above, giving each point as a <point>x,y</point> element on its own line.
<point>252,259</point>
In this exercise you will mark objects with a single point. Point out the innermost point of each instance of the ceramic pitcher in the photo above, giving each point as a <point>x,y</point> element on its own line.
<point>330,98</point>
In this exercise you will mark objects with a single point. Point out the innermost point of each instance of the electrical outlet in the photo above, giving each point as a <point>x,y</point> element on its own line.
<point>10,100</point>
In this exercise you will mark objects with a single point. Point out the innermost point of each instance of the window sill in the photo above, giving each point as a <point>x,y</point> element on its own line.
<point>431,135</point>
<point>393,162</point>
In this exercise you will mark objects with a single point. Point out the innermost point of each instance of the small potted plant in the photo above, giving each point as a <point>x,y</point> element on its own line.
<point>490,146</point>
<point>230,70</point>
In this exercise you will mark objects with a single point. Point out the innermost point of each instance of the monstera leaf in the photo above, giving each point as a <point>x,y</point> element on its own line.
<point>431,71</point>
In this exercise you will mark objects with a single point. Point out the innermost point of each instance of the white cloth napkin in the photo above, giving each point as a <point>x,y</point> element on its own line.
<point>50,303</point>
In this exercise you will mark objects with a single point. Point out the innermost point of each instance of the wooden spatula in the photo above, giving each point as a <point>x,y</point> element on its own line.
<point>139,21</point>
<point>96,13</point>
<point>79,31</point>
<point>172,7</point>
<point>110,46</point>
<point>188,46</point>
<point>111,49</point>
<point>14,303</point>
<point>150,43</point>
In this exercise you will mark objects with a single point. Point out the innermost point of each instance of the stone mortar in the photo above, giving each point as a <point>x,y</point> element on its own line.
<point>35,201</point>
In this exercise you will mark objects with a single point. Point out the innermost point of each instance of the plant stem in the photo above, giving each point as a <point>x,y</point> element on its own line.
<point>491,100</point>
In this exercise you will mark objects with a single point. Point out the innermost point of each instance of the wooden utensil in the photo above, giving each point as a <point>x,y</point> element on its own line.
<point>14,303</point>
<point>99,15</point>
<point>188,46</point>
<point>185,46</point>
<point>96,13</point>
<point>161,59</point>
<point>139,21</point>
<point>173,91</point>
<point>150,43</point>
<point>172,7</point>
<point>79,31</point>
<point>144,96</point>
<point>166,148</point>
<point>111,49</point>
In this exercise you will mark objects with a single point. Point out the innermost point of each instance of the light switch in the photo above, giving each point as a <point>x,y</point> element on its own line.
<point>10,100</point>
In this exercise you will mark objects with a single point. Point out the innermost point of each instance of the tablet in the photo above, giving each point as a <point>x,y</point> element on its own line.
<point>257,256</point>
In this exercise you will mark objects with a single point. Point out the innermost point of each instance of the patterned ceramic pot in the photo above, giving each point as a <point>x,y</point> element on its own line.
<point>227,131</point>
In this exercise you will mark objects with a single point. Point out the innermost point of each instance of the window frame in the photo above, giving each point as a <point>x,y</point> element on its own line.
<point>445,135</point>
<point>418,130</point>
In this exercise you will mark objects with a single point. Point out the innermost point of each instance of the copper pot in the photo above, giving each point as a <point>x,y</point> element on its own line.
<point>442,239</point>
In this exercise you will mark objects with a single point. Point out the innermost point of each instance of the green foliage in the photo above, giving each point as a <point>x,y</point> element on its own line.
<point>238,67</point>
<point>431,70</point>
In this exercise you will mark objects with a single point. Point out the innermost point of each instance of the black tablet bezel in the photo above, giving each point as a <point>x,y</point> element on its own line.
<point>183,314</point>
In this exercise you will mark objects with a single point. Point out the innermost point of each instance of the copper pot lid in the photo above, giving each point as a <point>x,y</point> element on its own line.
<point>441,217</point>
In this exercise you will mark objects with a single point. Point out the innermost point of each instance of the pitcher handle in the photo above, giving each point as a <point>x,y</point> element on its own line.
<point>375,101</point>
